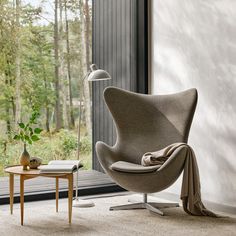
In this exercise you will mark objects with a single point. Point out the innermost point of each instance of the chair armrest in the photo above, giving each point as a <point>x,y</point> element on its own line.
<point>176,159</point>
<point>105,154</point>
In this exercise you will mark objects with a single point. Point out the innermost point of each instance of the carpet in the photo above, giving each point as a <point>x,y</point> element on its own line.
<point>41,219</point>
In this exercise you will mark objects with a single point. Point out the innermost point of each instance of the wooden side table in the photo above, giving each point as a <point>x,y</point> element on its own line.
<point>30,174</point>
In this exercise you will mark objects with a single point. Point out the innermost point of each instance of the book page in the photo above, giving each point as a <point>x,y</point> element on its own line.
<point>64,162</point>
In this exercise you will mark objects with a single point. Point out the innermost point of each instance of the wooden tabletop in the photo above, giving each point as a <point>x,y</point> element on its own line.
<point>18,170</point>
<point>34,173</point>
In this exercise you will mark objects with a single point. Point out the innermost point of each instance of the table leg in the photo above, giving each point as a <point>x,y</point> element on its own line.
<point>11,187</point>
<point>22,198</point>
<point>70,196</point>
<point>57,193</point>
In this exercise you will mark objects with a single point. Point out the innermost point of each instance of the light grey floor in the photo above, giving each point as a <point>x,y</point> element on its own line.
<point>41,219</point>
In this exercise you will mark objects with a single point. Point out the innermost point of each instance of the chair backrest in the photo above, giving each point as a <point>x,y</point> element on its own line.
<point>149,122</point>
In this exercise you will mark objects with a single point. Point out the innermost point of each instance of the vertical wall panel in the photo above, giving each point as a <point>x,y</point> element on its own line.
<point>116,48</point>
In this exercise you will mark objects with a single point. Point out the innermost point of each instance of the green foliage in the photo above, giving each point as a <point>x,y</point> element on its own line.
<point>26,133</point>
<point>32,43</point>
<point>68,143</point>
<point>38,67</point>
<point>86,145</point>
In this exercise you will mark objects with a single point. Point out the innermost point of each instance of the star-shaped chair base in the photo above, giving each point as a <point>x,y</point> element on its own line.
<point>154,207</point>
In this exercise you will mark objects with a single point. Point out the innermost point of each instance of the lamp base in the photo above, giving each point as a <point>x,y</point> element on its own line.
<point>82,203</point>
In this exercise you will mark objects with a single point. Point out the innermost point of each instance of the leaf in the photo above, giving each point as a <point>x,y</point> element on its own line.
<point>38,130</point>
<point>26,127</point>
<point>22,125</point>
<point>27,138</point>
<point>34,117</point>
<point>34,138</point>
<point>22,139</point>
<point>31,131</point>
<point>17,137</point>
<point>29,141</point>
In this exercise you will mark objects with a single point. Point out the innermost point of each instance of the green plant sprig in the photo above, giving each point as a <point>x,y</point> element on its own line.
<point>28,134</point>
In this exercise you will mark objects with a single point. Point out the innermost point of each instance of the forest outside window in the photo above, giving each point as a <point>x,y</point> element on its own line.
<point>45,51</point>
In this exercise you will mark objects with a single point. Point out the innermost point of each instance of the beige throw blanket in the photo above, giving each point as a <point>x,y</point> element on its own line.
<point>190,192</point>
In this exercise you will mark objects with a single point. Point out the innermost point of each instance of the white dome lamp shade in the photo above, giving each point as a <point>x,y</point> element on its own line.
<point>98,74</point>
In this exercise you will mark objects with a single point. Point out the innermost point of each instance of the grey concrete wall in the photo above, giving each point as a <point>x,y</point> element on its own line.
<point>194,45</point>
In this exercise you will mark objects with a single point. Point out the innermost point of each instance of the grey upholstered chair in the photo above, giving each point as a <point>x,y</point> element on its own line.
<point>146,123</point>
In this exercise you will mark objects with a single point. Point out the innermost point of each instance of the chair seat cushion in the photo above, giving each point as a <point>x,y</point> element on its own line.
<point>129,167</point>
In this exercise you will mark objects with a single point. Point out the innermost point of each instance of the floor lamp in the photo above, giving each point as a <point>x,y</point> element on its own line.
<point>93,75</point>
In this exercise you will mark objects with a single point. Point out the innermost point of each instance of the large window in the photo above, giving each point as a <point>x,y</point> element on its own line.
<point>45,50</point>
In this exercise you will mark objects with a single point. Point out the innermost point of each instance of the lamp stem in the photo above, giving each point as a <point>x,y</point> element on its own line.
<point>77,202</point>
<point>77,179</point>
<point>80,112</point>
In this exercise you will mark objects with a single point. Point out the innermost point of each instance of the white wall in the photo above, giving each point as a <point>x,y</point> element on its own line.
<point>194,45</point>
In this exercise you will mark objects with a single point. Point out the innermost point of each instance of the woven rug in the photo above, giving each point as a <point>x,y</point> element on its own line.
<point>41,219</point>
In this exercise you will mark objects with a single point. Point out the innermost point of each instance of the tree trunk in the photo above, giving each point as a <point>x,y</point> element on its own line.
<point>87,33</point>
<point>47,120</point>
<point>12,101</point>
<point>8,83</point>
<point>86,62</point>
<point>8,123</point>
<point>18,64</point>
<point>72,119</point>
<point>80,120</point>
<point>47,115</point>
<point>58,116</point>
<point>62,69</point>
<point>47,111</point>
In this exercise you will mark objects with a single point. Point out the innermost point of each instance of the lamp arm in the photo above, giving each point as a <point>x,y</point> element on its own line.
<point>86,76</point>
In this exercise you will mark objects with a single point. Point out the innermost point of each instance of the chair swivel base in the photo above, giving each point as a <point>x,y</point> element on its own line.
<point>151,206</point>
<point>154,207</point>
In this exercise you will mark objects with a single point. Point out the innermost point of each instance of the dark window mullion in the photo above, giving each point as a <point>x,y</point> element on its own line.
<point>125,60</point>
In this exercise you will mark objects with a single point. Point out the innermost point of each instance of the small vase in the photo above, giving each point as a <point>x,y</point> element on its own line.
<point>25,158</point>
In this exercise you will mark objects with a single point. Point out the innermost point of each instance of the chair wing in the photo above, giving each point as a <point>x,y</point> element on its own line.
<point>149,122</point>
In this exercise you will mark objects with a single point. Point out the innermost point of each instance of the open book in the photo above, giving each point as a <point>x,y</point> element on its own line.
<point>60,166</point>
